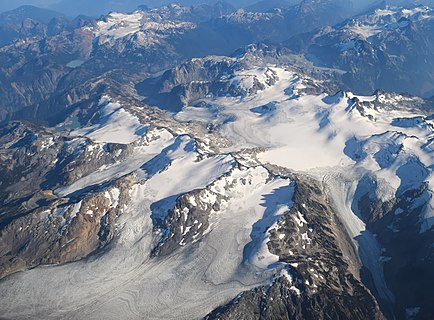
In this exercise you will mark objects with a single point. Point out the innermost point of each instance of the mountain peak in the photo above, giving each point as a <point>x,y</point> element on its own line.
<point>29,12</point>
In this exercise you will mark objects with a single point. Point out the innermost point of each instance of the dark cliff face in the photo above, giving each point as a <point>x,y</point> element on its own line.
<point>407,247</point>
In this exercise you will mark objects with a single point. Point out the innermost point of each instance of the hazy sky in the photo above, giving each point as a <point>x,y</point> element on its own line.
<point>74,7</point>
<point>11,4</point>
<point>97,7</point>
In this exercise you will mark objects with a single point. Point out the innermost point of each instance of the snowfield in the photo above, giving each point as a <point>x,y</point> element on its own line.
<point>328,137</point>
<point>116,125</point>
<point>119,26</point>
<point>126,283</point>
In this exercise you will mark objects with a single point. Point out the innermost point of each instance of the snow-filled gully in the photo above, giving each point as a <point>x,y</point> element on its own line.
<point>126,283</point>
<point>303,133</point>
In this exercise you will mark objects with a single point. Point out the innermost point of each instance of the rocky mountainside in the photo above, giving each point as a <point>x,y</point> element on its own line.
<point>51,61</point>
<point>140,182</point>
<point>311,14</point>
<point>389,48</point>
<point>36,71</point>
<point>32,22</point>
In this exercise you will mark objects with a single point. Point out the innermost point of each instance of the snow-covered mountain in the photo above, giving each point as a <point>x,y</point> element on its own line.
<point>146,41</point>
<point>139,182</point>
<point>388,48</point>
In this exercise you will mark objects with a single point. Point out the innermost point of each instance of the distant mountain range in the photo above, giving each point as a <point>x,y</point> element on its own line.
<point>205,161</point>
<point>384,49</point>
